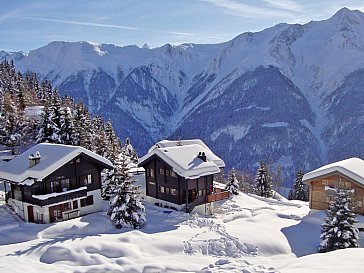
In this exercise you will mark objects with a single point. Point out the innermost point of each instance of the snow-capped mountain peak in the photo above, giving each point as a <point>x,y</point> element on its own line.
<point>289,74</point>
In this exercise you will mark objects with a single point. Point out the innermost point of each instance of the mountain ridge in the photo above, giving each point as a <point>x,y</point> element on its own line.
<point>154,93</point>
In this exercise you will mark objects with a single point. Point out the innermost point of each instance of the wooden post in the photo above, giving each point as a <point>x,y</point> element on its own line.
<point>186,195</point>
<point>5,192</point>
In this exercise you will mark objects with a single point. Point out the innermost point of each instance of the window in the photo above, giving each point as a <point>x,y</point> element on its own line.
<point>75,204</point>
<point>330,193</point>
<point>173,191</point>
<point>162,189</point>
<point>150,172</point>
<point>201,192</point>
<point>39,217</point>
<point>161,171</point>
<point>55,186</point>
<point>347,185</point>
<point>173,174</point>
<point>87,201</point>
<point>330,190</point>
<point>152,183</point>
<point>65,184</point>
<point>359,203</point>
<point>86,179</point>
<point>167,190</point>
<point>57,214</point>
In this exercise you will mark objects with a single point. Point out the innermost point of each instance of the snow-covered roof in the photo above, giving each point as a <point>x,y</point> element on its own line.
<point>53,156</point>
<point>352,168</point>
<point>182,157</point>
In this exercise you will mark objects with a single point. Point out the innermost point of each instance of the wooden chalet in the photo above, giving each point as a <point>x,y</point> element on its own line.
<point>53,182</point>
<point>180,174</point>
<point>322,182</point>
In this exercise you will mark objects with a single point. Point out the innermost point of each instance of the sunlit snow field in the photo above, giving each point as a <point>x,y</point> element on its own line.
<point>246,234</point>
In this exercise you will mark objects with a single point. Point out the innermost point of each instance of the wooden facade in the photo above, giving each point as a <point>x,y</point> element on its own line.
<point>164,184</point>
<point>322,190</point>
<point>71,181</point>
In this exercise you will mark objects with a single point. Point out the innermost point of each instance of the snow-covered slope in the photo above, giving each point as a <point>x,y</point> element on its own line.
<point>247,234</point>
<point>289,95</point>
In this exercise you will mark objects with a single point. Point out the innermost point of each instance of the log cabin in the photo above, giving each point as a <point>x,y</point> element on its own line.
<point>54,182</point>
<point>179,175</point>
<point>322,182</point>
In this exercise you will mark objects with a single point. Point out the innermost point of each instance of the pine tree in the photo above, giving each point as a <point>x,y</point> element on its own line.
<point>49,132</point>
<point>263,182</point>
<point>108,184</point>
<point>83,127</point>
<point>67,133</point>
<point>112,142</point>
<point>339,230</point>
<point>129,151</point>
<point>299,190</point>
<point>126,209</point>
<point>233,184</point>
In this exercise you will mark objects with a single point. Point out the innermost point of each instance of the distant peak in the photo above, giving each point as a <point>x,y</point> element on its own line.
<point>345,12</point>
<point>146,46</point>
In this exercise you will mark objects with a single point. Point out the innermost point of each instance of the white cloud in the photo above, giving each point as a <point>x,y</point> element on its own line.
<point>239,9</point>
<point>90,24</point>
<point>285,5</point>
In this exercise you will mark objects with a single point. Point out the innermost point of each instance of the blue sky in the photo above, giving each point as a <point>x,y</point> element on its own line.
<point>27,24</point>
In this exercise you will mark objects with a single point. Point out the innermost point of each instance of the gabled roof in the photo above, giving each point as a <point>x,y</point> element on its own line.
<point>352,168</point>
<point>182,157</point>
<point>53,156</point>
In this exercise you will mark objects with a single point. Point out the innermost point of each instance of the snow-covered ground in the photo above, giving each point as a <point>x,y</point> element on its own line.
<point>247,234</point>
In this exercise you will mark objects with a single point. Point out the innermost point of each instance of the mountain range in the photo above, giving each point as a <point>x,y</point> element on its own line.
<point>291,95</point>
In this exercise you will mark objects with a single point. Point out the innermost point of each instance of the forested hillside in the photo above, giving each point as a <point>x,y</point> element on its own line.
<point>33,112</point>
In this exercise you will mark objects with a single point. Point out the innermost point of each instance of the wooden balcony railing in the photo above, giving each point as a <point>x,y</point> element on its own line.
<point>217,196</point>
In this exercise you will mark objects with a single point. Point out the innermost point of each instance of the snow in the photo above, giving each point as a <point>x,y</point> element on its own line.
<point>172,143</point>
<point>246,234</point>
<point>276,124</point>
<point>236,132</point>
<point>352,167</point>
<point>183,157</point>
<point>53,157</point>
<point>55,194</point>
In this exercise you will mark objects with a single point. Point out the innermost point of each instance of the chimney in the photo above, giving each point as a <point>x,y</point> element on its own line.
<point>202,156</point>
<point>34,159</point>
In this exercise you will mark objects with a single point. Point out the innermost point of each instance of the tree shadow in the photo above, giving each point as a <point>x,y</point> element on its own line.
<point>304,237</point>
<point>47,243</point>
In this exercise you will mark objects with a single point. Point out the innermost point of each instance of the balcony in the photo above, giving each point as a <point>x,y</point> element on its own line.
<point>59,197</point>
<point>217,196</point>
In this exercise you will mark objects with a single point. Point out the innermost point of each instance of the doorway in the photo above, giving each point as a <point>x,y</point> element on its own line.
<point>30,214</point>
<point>191,195</point>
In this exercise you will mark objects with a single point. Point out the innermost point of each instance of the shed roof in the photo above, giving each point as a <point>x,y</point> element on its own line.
<point>53,156</point>
<point>352,168</point>
<point>182,157</point>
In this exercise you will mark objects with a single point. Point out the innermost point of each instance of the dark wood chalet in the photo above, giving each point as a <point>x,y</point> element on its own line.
<point>52,182</point>
<point>180,174</point>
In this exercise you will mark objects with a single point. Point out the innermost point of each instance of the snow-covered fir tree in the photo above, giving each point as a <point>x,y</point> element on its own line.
<point>112,143</point>
<point>233,184</point>
<point>339,230</point>
<point>129,151</point>
<point>126,208</point>
<point>49,132</point>
<point>263,182</point>
<point>83,127</point>
<point>67,132</point>
<point>299,190</point>
<point>108,183</point>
